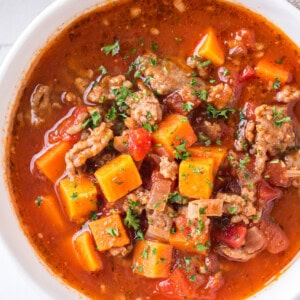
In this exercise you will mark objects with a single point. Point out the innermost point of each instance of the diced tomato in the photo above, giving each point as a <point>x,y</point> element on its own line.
<point>276,237</point>
<point>139,143</point>
<point>276,174</point>
<point>267,193</point>
<point>232,235</point>
<point>247,74</point>
<point>176,285</point>
<point>60,130</point>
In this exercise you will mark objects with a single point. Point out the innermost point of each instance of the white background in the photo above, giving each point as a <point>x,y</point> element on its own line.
<point>15,15</point>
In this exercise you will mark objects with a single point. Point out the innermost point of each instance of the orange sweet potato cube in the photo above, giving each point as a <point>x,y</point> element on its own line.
<point>184,242</point>
<point>173,131</point>
<point>52,162</point>
<point>187,239</point>
<point>78,197</point>
<point>86,252</point>
<point>217,153</point>
<point>273,72</point>
<point>118,177</point>
<point>152,259</point>
<point>50,209</point>
<point>196,177</point>
<point>210,48</point>
<point>109,232</point>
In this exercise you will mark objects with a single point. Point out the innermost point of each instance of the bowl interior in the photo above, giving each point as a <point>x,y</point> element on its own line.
<point>35,280</point>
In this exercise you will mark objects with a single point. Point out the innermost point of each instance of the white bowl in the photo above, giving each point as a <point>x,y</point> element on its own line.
<point>26,277</point>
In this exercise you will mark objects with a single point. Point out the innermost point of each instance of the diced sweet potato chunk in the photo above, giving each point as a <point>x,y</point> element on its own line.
<point>196,177</point>
<point>109,232</point>
<point>173,131</point>
<point>52,162</point>
<point>211,48</point>
<point>52,212</point>
<point>152,259</point>
<point>270,71</point>
<point>190,239</point>
<point>217,153</point>
<point>118,177</point>
<point>79,198</point>
<point>86,252</point>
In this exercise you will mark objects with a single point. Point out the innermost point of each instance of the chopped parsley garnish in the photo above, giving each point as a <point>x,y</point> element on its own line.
<point>121,95</point>
<point>74,196</point>
<point>200,94</point>
<point>154,46</point>
<point>103,70</point>
<point>93,216</point>
<point>132,221</point>
<point>205,63</point>
<point>280,60</point>
<point>150,128</point>
<point>244,161</point>
<point>276,84</point>
<point>112,113</point>
<point>180,151</point>
<point>113,49</point>
<point>177,198</point>
<point>192,278</point>
<point>278,118</point>
<point>145,253</point>
<point>38,201</point>
<point>93,121</point>
<point>232,210</point>
<point>202,210</point>
<point>187,106</point>
<point>201,247</point>
<point>226,72</point>
<point>112,231</point>
<point>214,113</point>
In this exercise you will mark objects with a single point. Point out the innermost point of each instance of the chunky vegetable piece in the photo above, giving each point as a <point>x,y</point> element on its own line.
<point>152,259</point>
<point>190,236</point>
<point>175,134</point>
<point>139,143</point>
<point>205,208</point>
<point>78,197</point>
<point>118,177</point>
<point>196,177</point>
<point>109,232</point>
<point>216,153</point>
<point>273,72</point>
<point>52,162</point>
<point>86,252</point>
<point>51,211</point>
<point>210,48</point>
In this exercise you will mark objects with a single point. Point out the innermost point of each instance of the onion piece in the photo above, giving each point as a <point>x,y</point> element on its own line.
<point>159,193</point>
<point>205,208</point>
<point>293,173</point>
<point>156,233</point>
<point>179,5</point>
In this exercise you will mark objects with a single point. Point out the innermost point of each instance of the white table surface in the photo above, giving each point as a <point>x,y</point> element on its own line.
<point>15,15</point>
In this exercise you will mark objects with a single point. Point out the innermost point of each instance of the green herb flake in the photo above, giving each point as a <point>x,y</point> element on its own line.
<point>154,46</point>
<point>187,106</point>
<point>279,61</point>
<point>112,113</point>
<point>192,278</point>
<point>232,210</point>
<point>113,49</point>
<point>276,84</point>
<point>214,113</point>
<point>38,201</point>
<point>205,63</point>
<point>112,231</point>
<point>103,70</point>
<point>74,196</point>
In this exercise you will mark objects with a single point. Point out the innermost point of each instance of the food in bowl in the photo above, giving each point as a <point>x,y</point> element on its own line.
<point>155,152</point>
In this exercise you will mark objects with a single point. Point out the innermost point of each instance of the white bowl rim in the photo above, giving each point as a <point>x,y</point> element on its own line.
<point>27,263</point>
